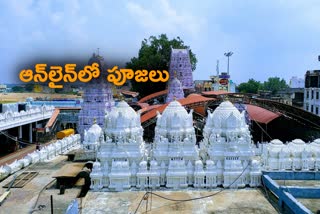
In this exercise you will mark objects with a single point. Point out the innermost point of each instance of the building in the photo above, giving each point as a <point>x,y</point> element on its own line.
<point>3,88</point>
<point>174,160</point>
<point>181,64</point>
<point>97,99</point>
<point>296,82</point>
<point>175,90</point>
<point>312,92</point>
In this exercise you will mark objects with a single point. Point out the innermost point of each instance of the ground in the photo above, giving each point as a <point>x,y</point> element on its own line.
<point>228,201</point>
<point>21,200</point>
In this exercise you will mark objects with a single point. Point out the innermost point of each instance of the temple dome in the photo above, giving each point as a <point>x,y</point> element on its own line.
<point>276,142</point>
<point>226,121</point>
<point>174,116</point>
<point>224,111</point>
<point>122,119</point>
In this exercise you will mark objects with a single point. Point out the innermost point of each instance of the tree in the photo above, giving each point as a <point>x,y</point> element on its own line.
<point>154,54</point>
<point>17,89</point>
<point>274,84</point>
<point>29,87</point>
<point>252,86</point>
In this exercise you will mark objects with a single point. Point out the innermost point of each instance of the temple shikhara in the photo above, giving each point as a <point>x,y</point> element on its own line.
<point>180,63</point>
<point>97,99</point>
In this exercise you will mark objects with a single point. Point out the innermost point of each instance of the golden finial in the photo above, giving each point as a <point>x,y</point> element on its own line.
<point>94,120</point>
<point>175,74</point>
<point>174,98</point>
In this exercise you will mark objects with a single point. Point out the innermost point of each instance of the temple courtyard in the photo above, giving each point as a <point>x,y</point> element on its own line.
<point>21,200</point>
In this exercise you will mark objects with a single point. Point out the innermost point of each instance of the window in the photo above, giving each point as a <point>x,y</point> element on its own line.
<point>311,108</point>
<point>312,95</point>
<point>307,94</point>
<point>317,95</point>
<point>317,111</point>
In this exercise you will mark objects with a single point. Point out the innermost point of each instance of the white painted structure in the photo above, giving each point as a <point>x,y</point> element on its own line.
<point>227,142</point>
<point>45,154</point>
<point>311,100</point>
<point>296,82</point>
<point>173,160</point>
<point>295,155</point>
<point>226,157</point>
<point>11,119</point>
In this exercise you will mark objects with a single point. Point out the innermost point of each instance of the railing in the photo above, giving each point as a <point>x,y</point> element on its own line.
<point>13,119</point>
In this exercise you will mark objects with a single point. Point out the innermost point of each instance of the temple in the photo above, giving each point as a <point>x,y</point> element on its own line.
<point>175,90</point>
<point>180,63</point>
<point>97,99</point>
<point>227,142</point>
<point>173,160</point>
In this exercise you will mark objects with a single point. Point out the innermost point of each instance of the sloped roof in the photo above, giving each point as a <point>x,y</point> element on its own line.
<point>192,98</point>
<point>215,92</point>
<point>261,115</point>
<point>154,95</point>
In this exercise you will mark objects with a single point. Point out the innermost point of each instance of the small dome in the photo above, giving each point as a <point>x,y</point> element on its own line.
<point>276,142</point>
<point>209,163</point>
<point>96,165</point>
<point>95,128</point>
<point>224,110</point>
<point>143,164</point>
<point>317,141</point>
<point>199,163</point>
<point>298,142</point>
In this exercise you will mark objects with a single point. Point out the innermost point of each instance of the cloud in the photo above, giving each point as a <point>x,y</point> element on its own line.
<point>166,19</point>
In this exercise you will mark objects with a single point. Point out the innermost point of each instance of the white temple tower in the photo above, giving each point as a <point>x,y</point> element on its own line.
<point>123,149</point>
<point>175,144</point>
<point>227,142</point>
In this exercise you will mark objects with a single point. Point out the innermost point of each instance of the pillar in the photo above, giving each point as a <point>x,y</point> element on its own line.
<point>20,132</point>
<point>30,132</point>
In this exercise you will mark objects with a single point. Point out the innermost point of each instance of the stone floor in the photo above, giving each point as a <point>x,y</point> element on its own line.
<point>228,201</point>
<point>21,200</point>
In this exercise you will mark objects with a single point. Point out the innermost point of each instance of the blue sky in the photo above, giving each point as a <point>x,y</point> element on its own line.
<point>268,38</point>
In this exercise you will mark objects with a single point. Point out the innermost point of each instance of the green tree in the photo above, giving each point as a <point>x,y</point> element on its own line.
<point>252,86</point>
<point>17,89</point>
<point>155,54</point>
<point>29,87</point>
<point>275,84</point>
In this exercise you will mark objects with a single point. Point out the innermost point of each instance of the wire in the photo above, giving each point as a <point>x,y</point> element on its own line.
<point>16,139</point>
<point>191,199</point>
<point>35,204</point>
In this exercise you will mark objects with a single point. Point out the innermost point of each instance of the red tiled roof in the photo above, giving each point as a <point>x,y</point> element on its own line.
<point>151,96</point>
<point>215,92</point>
<point>149,108</point>
<point>192,98</point>
<point>261,115</point>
